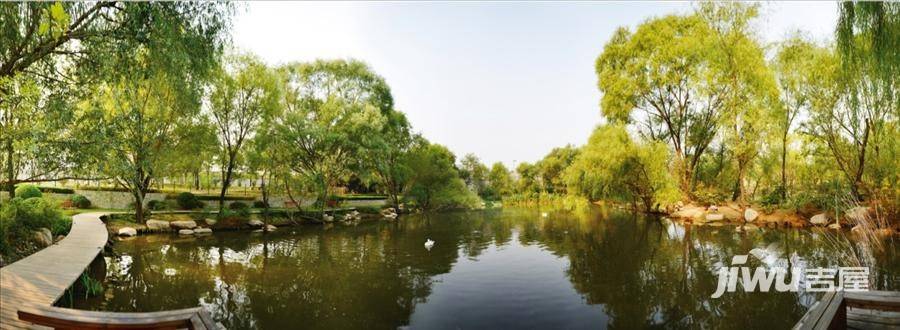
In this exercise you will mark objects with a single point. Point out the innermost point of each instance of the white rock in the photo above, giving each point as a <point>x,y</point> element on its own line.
<point>255,223</point>
<point>185,232</point>
<point>857,214</point>
<point>210,221</point>
<point>200,231</point>
<point>327,218</point>
<point>271,228</point>
<point>158,225</point>
<point>184,224</point>
<point>43,237</point>
<point>715,217</point>
<point>819,219</point>
<point>390,216</point>
<point>751,227</point>
<point>128,231</point>
<point>713,208</point>
<point>750,215</point>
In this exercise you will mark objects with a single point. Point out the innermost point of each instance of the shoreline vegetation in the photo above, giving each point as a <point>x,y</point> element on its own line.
<point>701,121</point>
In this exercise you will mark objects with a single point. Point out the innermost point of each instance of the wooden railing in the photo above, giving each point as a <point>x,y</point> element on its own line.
<point>65,318</point>
<point>855,310</point>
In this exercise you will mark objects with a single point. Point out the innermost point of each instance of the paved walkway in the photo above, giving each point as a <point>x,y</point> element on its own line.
<point>43,277</point>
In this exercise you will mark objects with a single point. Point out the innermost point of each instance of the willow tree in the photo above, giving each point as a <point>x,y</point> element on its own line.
<point>64,47</point>
<point>385,156</point>
<point>862,130</point>
<point>612,166</point>
<point>798,76</point>
<point>243,96</point>
<point>333,109</point>
<point>150,88</point>
<point>744,82</point>
<point>657,79</point>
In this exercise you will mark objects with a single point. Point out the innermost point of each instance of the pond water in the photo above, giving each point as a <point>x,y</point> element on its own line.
<point>491,269</point>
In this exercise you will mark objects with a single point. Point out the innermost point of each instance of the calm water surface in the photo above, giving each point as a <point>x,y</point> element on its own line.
<point>491,269</point>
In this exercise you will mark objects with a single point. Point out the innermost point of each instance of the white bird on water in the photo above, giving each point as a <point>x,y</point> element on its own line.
<point>428,244</point>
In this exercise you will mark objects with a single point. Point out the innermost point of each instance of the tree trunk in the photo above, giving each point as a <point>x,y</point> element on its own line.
<point>226,181</point>
<point>265,200</point>
<point>196,174</point>
<point>10,170</point>
<point>138,206</point>
<point>784,141</point>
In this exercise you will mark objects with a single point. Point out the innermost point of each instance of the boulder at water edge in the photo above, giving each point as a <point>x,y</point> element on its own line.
<point>819,219</point>
<point>750,215</point>
<point>185,232</point>
<point>184,224</point>
<point>200,231</point>
<point>255,223</point>
<point>715,217</point>
<point>209,221</point>
<point>271,228</point>
<point>157,225</point>
<point>127,232</point>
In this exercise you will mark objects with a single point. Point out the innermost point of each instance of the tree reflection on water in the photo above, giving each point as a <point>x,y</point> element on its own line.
<point>644,272</point>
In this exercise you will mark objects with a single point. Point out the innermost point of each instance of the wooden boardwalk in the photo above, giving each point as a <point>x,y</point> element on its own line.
<point>42,278</point>
<point>853,310</point>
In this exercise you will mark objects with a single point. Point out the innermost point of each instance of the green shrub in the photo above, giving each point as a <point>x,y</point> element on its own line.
<point>260,205</point>
<point>188,201</point>
<point>706,195</point>
<point>57,190</point>
<point>241,208</point>
<point>157,205</point>
<point>237,206</point>
<point>369,209</point>
<point>20,217</point>
<point>27,191</point>
<point>81,202</point>
<point>61,226</point>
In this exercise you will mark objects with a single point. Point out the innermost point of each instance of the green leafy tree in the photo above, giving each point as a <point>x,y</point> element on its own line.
<point>195,150</point>
<point>386,155</point>
<point>246,94</point>
<point>551,167</point>
<point>528,179</point>
<point>500,180</point>
<point>63,47</point>
<point>151,89</point>
<point>474,173</point>
<point>612,166</point>
<point>333,109</point>
<point>658,78</point>
<point>744,82</point>
<point>435,184</point>
<point>795,66</point>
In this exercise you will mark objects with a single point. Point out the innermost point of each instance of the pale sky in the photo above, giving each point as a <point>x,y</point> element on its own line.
<point>506,81</point>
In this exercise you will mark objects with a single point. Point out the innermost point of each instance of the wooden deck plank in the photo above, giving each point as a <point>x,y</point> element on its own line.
<point>882,300</point>
<point>854,310</point>
<point>30,286</point>
<point>41,278</point>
